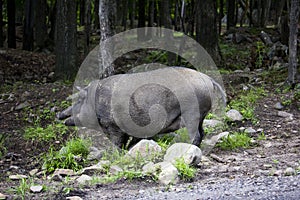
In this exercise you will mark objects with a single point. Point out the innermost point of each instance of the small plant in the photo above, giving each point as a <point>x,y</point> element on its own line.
<point>234,141</point>
<point>260,52</point>
<point>71,156</point>
<point>22,188</point>
<point>2,144</point>
<point>262,136</point>
<point>165,141</point>
<point>186,172</point>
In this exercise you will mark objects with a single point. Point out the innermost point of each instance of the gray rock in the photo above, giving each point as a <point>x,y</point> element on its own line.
<point>211,142</point>
<point>234,115</point>
<point>289,171</point>
<point>17,177</point>
<point>212,123</point>
<point>83,179</point>
<point>95,154</point>
<point>149,168</point>
<point>115,169</point>
<point>286,115</point>
<point>278,106</point>
<point>189,152</point>
<point>22,105</point>
<point>250,130</point>
<point>36,188</point>
<point>99,167</point>
<point>144,148</point>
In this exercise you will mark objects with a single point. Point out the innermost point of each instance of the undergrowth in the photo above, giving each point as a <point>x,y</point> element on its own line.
<point>245,103</point>
<point>234,141</point>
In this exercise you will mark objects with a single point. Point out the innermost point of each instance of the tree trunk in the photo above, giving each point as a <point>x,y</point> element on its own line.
<point>150,18</point>
<point>124,14</point>
<point>294,16</point>
<point>279,11</point>
<point>1,24</point>
<point>11,18</point>
<point>52,20</point>
<point>141,20</point>
<point>41,24</point>
<point>132,13</point>
<point>284,30</point>
<point>82,9</point>
<point>66,40</point>
<point>107,14</point>
<point>230,14</point>
<point>206,28</point>
<point>87,26</point>
<point>221,15</point>
<point>265,10</point>
<point>28,25</point>
<point>96,14</point>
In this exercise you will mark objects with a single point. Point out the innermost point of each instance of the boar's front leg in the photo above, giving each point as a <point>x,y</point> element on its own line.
<point>117,137</point>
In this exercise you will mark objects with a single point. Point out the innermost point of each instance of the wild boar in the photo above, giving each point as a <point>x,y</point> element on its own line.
<point>145,104</point>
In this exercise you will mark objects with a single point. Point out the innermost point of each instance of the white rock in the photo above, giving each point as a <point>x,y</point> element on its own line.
<point>234,115</point>
<point>83,179</point>
<point>189,152</point>
<point>168,174</point>
<point>144,148</point>
<point>33,172</point>
<point>250,130</point>
<point>74,198</point>
<point>17,177</point>
<point>278,172</point>
<point>36,188</point>
<point>95,168</point>
<point>289,171</point>
<point>214,139</point>
<point>64,172</point>
<point>2,196</point>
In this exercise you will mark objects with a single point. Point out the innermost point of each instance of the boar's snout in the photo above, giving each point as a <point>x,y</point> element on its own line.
<point>65,113</point>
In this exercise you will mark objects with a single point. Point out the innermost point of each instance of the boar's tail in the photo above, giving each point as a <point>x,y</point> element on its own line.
<point>220,89</point>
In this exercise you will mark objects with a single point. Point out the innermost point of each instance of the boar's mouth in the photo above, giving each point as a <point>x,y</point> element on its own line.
<point>67,116</point>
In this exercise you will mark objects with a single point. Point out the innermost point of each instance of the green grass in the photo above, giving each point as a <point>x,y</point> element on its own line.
<point>235,141</point>
<point>71,156</point>
<point>45,135</point>
<point>186,172</point>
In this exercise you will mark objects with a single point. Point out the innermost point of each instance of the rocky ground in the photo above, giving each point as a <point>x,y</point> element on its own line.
<point>268,170</point>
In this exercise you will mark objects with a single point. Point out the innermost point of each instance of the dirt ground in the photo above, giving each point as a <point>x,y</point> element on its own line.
<point>269,157</point>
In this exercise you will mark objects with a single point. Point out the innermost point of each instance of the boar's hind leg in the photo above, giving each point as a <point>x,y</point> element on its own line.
<point>195,130</point>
